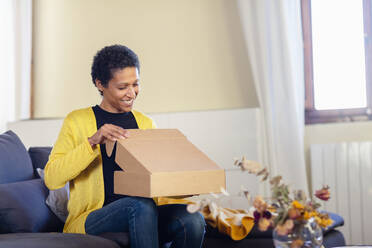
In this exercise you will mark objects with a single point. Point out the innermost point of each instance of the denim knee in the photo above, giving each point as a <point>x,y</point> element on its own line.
<point>195,224</point>
<point>144,207</point>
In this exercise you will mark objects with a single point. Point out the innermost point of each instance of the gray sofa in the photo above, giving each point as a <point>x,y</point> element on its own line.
<point>27,222</point>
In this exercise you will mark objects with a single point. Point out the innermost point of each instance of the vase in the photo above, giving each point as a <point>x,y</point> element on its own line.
<point>308,232</point>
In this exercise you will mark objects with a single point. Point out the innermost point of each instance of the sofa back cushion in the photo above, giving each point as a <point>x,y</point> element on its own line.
<point>23,208</point>
<point>39,157</point>
<point>15,163</point>
<point>57,199</point>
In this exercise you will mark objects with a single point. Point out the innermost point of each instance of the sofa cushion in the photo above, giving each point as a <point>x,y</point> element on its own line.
<point>15,163</point>
<point>57,200</point>
<point>121,238</point>
<point>23,208</point>
<point>55,240</point>
<point>39,157</point>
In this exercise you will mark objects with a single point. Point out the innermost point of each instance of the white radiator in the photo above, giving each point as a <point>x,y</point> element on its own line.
<point>347,169</point>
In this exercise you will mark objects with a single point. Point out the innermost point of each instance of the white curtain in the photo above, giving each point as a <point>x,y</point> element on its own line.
<point>273,34</point>
<point>15,60</point>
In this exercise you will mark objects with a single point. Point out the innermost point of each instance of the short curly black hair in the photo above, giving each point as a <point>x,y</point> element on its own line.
<point>110,59</point>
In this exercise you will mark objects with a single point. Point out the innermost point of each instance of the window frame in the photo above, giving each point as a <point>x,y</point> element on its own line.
<point>314,116</point>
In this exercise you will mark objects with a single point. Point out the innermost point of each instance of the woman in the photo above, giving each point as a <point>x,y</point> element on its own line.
<point>79,157</point>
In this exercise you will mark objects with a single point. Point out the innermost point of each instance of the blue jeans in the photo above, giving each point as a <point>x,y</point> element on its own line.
<point>148,225</point>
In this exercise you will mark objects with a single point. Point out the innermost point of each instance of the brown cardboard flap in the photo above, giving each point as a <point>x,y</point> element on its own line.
<point>110,147</point>
<point>154,134</point>
<point>147,134</point>
<point>168,155</point>
<point>127,161</point>
<point>160,150</point>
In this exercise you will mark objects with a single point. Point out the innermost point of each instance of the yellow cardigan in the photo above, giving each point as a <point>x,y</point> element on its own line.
<point>73,160</point>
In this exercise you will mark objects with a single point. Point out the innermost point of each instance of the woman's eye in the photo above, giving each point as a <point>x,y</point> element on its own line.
<point>122,88</point>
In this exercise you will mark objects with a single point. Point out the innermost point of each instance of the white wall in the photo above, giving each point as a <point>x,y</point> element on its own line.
<point>191,52</point>
<point>335,133</point>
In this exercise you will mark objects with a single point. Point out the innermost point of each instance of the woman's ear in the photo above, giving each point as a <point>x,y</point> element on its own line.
<point>99,85</point>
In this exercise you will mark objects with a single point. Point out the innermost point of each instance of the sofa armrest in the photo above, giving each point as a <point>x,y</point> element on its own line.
<point>337,222</point>
<point>23,208</point>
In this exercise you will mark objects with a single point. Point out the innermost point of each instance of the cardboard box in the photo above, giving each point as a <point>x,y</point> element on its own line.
<point>162,162</point>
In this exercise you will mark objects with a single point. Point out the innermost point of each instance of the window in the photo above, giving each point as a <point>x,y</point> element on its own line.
<point>338,60</point>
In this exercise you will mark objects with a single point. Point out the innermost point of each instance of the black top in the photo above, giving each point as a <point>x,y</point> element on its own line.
<point>126,121</point>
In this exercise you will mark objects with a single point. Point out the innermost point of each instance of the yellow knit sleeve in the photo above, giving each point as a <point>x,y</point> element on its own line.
<point>68,157</point>
<point>144,121</point>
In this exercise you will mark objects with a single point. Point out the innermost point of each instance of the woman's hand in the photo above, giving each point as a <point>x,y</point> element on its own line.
<point>108,132</point>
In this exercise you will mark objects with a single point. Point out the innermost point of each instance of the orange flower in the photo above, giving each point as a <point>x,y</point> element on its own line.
<point>308,215</point>
<point>325,221</point>
<point>318,219</point>
<point>298,243</point>
<point>298,205</point>
<point>294,213</point>
<point>260,204</point>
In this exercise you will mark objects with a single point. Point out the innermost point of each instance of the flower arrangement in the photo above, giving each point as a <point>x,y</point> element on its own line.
<point>288,213</point>
<point>285,211</point>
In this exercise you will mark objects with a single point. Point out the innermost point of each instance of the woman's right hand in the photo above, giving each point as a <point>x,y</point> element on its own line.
<point>108,132</point>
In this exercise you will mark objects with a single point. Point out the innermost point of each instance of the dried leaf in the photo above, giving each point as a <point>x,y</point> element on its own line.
<point>214,195</point>
<point>223,191</point>
<point>194,207</point>
<point>300,195</point>
<point>275,180</point>
<point>245,192</point>
<point>251,166</point>
<point>264,170</point>
<point>323,193</point>
<point>265,177</point>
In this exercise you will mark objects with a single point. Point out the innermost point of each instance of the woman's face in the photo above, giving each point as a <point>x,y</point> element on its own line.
<point>121,91</point>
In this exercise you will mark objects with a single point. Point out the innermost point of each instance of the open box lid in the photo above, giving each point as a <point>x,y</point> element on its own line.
<point>159,150</point>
